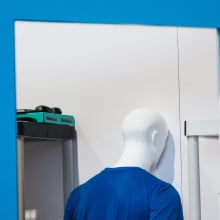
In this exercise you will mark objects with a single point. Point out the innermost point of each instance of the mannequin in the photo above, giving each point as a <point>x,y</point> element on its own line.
<point>127,190</point>
<point>145,133</point>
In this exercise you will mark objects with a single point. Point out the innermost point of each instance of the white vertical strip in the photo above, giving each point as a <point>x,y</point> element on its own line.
<point>180,118</point>
<point>218,33</point>
<point>218,195</point>
<point>194,178</point>
<point>67,169</point>
<point>20,165</point>
<point>218,54</point>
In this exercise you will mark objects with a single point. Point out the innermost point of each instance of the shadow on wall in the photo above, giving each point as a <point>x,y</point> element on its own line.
<point>165,167</point>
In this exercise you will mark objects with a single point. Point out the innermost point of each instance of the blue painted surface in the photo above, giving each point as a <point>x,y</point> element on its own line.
<point>200,13</point>
<point>8,170</point>
<point>197,13</point>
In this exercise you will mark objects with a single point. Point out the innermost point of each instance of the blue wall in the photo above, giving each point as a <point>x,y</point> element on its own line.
<point>196,13</point>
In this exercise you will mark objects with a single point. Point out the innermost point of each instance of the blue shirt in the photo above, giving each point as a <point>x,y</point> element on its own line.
<point>124,193</point>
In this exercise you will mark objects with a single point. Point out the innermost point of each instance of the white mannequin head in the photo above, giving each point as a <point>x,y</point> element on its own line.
<point>145,133</point>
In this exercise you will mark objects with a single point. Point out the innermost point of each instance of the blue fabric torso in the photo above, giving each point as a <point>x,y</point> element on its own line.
<point>124,193</point>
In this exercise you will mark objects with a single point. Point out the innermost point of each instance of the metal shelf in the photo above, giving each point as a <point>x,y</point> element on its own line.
<point>48,131</point>
<point>34,132</point>
<point>193,131</point>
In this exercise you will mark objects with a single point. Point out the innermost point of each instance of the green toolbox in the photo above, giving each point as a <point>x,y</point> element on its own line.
<point>46,117</point>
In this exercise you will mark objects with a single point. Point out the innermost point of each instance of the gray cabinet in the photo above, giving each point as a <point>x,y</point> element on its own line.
<point>47,169</point>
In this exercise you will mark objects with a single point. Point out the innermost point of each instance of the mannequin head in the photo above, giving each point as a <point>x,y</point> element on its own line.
<point>145,133</point>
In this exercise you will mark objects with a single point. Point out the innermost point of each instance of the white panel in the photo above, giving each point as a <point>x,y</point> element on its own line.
<point>202,128</point>
<point>198,83</point>
<point>99,73</point>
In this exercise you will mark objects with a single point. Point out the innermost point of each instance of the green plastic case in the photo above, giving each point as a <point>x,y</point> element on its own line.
<point>45,117</point>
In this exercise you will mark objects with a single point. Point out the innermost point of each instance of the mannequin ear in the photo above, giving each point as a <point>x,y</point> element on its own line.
<point>155,139</point>
<point>158,146</point>
<point>155,147</point>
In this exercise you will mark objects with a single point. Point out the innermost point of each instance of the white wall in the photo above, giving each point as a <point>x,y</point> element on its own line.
<point>99,73</point>
<point>198,77</point>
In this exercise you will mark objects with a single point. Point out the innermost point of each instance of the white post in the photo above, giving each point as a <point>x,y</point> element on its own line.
<point>20,166</point>
<point>194,178</point>
<point>68,169</point>
<point>218,37</point>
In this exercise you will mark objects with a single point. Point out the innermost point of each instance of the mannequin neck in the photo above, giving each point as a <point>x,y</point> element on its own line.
<point>136,154</point>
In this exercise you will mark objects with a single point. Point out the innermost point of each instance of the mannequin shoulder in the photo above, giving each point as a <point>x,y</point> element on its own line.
<point>165,193</point>
<point>166,203</point>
